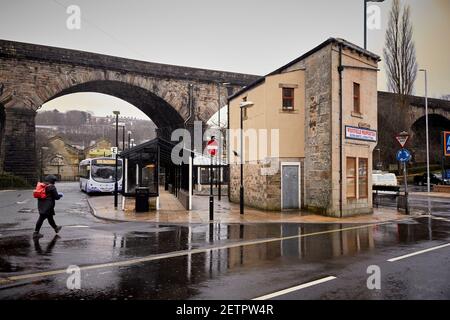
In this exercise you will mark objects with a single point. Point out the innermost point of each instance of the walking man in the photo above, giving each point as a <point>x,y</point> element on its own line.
<point>46,194</point>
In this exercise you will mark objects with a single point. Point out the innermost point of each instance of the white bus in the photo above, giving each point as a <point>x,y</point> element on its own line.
<point>98,175</point>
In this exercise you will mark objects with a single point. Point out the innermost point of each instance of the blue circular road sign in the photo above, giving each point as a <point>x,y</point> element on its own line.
<point>403,155</point>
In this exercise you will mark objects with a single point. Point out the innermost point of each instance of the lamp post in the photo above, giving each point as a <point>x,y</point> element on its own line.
<point>221,139</point>
<point>42,163</point>
<point>129,139</point>
<point>243,105</point>
<point>427,136</point>
<point>132,142</point>
<point>123,136</point>
<point>365,19</point>
<point>116,187</point>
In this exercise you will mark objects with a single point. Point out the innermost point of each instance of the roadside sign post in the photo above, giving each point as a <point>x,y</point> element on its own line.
<point>114,151</point>
<point>212,148</point>
<point>404,156</point>
<point>445,144</point>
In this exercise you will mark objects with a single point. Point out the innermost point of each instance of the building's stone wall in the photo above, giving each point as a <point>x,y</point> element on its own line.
<point>261,191</point>
<point>71,158</point>
<point>318,131</point>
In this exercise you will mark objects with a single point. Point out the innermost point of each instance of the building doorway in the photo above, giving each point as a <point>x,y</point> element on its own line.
<point>290,186</point>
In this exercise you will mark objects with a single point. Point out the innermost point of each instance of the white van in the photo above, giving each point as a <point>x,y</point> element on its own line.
<point>380,178</point>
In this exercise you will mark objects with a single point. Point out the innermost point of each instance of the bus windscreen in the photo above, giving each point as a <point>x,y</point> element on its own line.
<point>103,170</point>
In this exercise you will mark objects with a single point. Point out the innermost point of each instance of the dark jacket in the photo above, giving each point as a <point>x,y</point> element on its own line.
<point>47,206</point>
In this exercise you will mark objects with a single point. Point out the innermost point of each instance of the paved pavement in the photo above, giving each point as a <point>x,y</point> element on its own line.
<point>135,260</point>
<point>225,212</point>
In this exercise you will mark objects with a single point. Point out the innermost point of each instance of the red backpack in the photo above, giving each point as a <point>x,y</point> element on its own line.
<point>39,192</point>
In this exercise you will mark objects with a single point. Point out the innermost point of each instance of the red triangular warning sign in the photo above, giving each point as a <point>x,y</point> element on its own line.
<point>402,140</point>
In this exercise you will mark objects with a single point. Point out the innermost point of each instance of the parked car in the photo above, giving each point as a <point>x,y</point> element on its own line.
<point>435,178</point>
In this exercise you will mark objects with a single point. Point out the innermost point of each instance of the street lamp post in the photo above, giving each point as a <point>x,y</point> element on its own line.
<point>365,19</point>
<point>129,139</point>
<point>243,105</point>
<point>116,187</point>
<point>123,136</point>
<point>427,137</point>
<point>221,139</point>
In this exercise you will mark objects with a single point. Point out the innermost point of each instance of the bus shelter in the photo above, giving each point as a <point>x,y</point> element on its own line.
<point>149,165</point>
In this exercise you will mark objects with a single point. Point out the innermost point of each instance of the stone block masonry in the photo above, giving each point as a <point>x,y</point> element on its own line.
<point>34,74</point>
<point>19,145</point>
<point>317,171</point>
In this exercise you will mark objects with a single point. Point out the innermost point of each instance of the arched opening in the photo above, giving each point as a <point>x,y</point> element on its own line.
<point>164,115</point>
<point>436,124</point>
<point>78,123</point>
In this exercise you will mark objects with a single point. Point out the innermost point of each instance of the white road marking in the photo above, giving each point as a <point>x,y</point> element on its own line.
<point>76,226</point>
<point>296,288</point>
<point>193,251</point>
<point>418,252</point>
<point>23,202</point>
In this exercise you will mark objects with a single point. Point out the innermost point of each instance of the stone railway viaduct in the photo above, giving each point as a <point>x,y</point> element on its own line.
<point>392,119</point>
<point>30,75</point>
<point>172,96</point>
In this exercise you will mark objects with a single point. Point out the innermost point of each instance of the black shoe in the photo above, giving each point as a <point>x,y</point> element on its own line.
<point>37,235</point>
<point>58,228</point>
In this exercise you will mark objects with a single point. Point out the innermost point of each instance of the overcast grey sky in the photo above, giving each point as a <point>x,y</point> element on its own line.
<point>248,36</point>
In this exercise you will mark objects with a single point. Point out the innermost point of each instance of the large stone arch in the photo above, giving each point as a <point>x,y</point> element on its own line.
<point>164,115</point>
<point>31,75</point>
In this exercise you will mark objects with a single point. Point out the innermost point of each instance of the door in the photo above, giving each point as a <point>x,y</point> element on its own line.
<point>290,185</point>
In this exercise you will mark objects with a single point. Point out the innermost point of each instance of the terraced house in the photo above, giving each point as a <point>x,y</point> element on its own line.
<point>324,106</point>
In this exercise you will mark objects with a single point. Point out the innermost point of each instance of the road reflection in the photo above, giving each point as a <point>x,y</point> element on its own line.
<point>182,276</point>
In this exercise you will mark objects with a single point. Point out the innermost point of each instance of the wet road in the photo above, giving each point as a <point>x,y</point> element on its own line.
<point>149,261</point>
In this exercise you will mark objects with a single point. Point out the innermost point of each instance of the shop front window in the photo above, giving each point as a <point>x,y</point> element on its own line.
<point>351,178</point>
<point>363,178</point>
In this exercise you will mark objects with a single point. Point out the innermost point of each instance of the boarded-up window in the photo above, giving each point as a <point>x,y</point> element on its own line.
<point>351,178</point>
<point>363,183</point>
<point>288,98</point>
<point>356,98</point>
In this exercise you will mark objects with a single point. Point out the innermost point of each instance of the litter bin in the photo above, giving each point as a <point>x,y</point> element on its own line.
<point>142,196</point>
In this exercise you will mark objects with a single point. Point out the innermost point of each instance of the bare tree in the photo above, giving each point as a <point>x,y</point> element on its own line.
<point>399,51</point>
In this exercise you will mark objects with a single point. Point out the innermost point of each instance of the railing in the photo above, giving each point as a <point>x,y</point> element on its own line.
<point>391,193</point>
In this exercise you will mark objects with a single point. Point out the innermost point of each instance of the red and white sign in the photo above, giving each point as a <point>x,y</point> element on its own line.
<point>212,147</point>
<point>402,139</point>
<point>360,134</point>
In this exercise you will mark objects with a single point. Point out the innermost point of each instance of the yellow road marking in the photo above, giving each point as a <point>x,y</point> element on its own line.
<point>187,252</point>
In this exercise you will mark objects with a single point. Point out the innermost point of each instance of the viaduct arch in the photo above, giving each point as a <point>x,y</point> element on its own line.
<point>30,75</point>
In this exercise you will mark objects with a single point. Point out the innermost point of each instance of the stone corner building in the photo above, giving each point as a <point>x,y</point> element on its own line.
<point>324,105</point>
